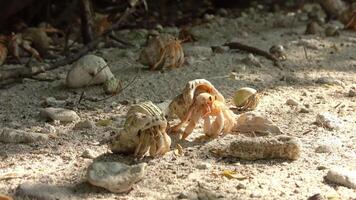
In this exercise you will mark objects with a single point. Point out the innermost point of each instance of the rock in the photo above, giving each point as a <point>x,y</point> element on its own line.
<point>8,135</point>
<point>188,195</point>
<point>87,153</point>
<point>304,110</point>
<point>85,124</point>
<point>342,177</point>
<point>60,114</point>
<point>328,81</point>
<point>203,165</point>
<point>115,176</point>
<point>40,191</point>
<point>207,194</point>
<point>240,186</point>
<point>197,51</point>
<point>352,92</point>
<point>251,60</point>
<point>85,69</point>
<point>51,101</point>
<point>253,122</point>
<point>328,120</point>
<point>316,197</point>
<point>292,102</point>
<point>284,147</point>
<point>49,129</point>
<point>329,145</point>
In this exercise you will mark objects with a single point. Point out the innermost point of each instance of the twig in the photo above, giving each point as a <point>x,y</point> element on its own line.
<point>24,72</point>
<point>114,37</point>
<point>306,54</point>
<point>119,91</point>
<point>254,50</point>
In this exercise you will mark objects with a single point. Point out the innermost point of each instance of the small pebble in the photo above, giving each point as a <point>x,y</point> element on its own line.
<point>60,114</point>
<point>352,92</point>
<point>342,177</point>
<point>292,102</point>
<point>203,165</point>
<point>85,124</point>
<point>240,186</point>
<point>115,176</point>
<point>304,110</point>
<point>9,135</point>
<point>328,120</point>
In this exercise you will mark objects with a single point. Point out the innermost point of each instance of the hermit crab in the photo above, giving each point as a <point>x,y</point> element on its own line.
<point>200,99</point>
<point>181,103</point>
<point>162,51</point>
<point>144,132</point>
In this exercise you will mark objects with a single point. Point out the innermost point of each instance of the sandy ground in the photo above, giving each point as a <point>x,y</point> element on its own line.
<point>58,162</point>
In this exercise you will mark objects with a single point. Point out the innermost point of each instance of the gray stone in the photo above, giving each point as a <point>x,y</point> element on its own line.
<point>42,192</point>
<point>283,147</point>
<point>60,114</point>
<point>85,124</point>
<point>85,69</point>
<point>292,102</point>
<point>342,177</point>
<point>304,110</point>
<point>352,92</point>
<point>329,145</point>
<point>19,136</point>
<point>115,176</point>
<point>207,194</point>
<point>328,120</point>
<point>240,186</point>
<point>51,101</point>
<point>203,165</point>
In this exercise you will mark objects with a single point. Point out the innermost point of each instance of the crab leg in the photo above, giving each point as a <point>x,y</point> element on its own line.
<point>26,45</point>
<point>143,145</point>
<point>217,126</point>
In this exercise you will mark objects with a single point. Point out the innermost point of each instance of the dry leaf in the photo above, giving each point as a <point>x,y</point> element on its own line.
<point>104,122</point>
<point>333,197</point>
<point>233,175</point>
<point>178,151</point>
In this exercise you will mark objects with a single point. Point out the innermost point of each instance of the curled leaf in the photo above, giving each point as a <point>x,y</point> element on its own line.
<point>233,175</point>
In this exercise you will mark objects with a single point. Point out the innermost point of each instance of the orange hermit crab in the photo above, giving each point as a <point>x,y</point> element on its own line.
<point>162,51</point>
